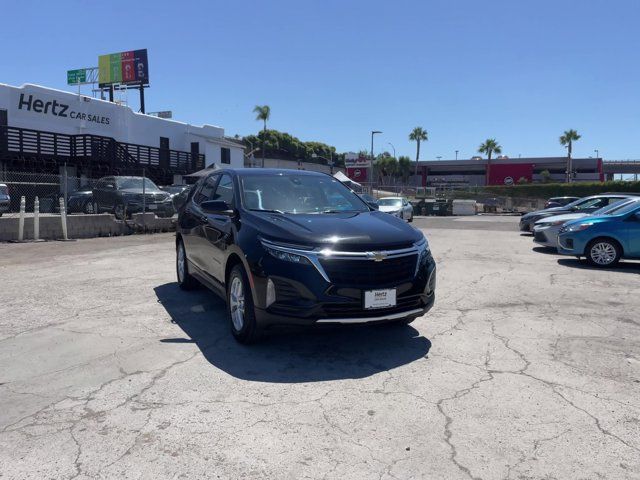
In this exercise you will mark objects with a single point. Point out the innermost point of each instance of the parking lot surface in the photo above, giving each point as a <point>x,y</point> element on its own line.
<point>528,367</point>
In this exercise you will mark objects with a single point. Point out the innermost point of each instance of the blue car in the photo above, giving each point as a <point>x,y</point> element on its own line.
<point>603,239</point>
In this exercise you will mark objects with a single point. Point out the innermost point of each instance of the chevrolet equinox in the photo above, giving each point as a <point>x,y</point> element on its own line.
<point>291,247</point>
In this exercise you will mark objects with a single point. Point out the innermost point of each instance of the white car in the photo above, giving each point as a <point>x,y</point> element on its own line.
<point>397,206</point>
<point>545,231</point>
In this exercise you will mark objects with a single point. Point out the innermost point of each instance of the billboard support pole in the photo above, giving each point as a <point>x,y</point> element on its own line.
<point>142,97</point>
<point>111,93</point>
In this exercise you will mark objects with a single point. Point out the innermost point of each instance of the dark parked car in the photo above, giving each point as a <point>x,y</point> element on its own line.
<point>124,195</point>
<point>300,248</point>
<point>5,199</point>
<point>559,201</point>
<point>582,205</point>
<point>80,201</point>
<point>179,194</point>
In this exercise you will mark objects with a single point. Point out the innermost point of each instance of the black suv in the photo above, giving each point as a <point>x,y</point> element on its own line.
<point>126,195</point>
<point>297,247</point>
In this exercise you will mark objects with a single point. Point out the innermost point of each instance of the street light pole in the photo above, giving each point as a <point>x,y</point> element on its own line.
<point>597,153</point>
<point>373,132</point>
<point>394,149</point>
<point>456,154</point>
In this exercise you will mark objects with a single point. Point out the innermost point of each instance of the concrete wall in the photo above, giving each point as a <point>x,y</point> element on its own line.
<point>83,226</point>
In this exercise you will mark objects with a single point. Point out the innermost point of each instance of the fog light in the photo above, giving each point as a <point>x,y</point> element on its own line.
<point>271,293</point>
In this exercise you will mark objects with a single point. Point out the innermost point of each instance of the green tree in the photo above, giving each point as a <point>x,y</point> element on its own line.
<point>567,140</point>
<point>262,114</point>
<point>545,175</point>
<point>418,135</point>
<point>490,146</point>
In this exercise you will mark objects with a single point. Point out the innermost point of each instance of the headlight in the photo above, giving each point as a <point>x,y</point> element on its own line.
<point>284,254</point>
<point>578,227</point>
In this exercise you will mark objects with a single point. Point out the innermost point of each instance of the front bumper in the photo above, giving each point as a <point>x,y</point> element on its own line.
<point>547,236</point>
<point>525,225</point>
<point>305,297</point>
<point>163,209</point>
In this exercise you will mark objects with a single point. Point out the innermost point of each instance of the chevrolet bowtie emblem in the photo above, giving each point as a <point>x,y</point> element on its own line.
<point>378,256</point>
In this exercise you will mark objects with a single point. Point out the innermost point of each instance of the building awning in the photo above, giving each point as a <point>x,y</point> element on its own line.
<point>344,179</point>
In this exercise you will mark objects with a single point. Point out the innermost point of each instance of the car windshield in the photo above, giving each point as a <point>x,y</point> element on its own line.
<point>295,193</point>
<point>4,190</point>
<point>626,208</point>
<point>173,189</point>
<point>135,183</point>
<point>613,208</point>
<point>588,203</point>
<point>390,202</point>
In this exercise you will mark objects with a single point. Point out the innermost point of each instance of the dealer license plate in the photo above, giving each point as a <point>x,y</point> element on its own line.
<point>380,298</point>
<point>152,207</point>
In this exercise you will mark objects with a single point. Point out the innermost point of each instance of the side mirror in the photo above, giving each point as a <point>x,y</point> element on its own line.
<point>216,207</point>
<point>373,205</point>
<point>637,215</point>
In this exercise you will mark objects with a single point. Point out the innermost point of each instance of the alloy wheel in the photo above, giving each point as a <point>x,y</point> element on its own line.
<point>236,303</point>
<point>603,253</point>
<point>181,262</point>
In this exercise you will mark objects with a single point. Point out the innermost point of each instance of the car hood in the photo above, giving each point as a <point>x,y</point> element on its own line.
<point>389,208</point>
<point>546,212</point>
<point>364,230</point>
<point>566,217</point>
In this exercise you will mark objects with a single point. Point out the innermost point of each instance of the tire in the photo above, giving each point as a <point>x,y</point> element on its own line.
<point>240,309</point>
<point>410,218</point>
<point>118,211</point>
<point>89,207</point>
<point>185,280</point>
<point>603,252</point>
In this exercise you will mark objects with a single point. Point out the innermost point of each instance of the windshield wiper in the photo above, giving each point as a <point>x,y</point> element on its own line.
<point>266,210</point>
<point>338,211</point>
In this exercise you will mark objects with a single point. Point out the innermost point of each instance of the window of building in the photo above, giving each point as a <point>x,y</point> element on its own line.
<point>225,155</point>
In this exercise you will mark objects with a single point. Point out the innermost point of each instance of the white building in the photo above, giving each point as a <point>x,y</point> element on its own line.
<point>51,111</point>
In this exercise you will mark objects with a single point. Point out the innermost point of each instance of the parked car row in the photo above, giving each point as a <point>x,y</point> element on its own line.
<point>4,199</point>
<point>601,228</point>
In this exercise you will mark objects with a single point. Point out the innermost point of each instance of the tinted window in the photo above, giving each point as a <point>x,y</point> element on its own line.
<point>206,191</point>
<point>224,192</point>
<point>225,155</point>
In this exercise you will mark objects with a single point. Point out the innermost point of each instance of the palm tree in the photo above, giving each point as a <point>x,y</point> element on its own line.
<point>418,135</point>
<point>567,140</point>
<point>263,113</point>
<point>489,147</point>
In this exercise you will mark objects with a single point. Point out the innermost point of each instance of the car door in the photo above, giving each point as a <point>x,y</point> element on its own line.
<point>192,222</point>
<point>632,234</point>
<point>218,229</point>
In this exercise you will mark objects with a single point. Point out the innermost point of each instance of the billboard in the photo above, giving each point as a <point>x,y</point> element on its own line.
<point>360,162</point>
<point>129,67</point>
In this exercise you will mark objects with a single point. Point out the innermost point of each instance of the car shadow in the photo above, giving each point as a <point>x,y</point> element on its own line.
<point>623,266</point>
<point>546,250</point>
<point>289,355</point>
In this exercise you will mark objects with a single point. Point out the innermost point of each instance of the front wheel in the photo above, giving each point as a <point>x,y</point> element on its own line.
<point>240,309</point>
<point>89,207</point>
<point>185,280</point>
<point>603,252</point>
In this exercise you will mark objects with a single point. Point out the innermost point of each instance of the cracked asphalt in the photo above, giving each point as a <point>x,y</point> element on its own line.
<point>528,367</point>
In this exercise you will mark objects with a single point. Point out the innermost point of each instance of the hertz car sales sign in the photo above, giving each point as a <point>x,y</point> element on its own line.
<point>125,68</point>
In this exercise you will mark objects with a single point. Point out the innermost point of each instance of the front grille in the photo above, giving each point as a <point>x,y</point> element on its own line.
<point>540,236</point>
<point>356,310</point>
<point>357,273</point>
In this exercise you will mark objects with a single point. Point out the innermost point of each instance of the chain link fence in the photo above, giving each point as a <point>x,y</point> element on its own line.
<point>48,189</point>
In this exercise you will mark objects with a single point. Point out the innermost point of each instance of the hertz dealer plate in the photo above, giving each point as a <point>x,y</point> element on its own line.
<point>380,298</point>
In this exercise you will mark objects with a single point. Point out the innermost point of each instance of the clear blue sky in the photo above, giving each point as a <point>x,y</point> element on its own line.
<point>332,70</point>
